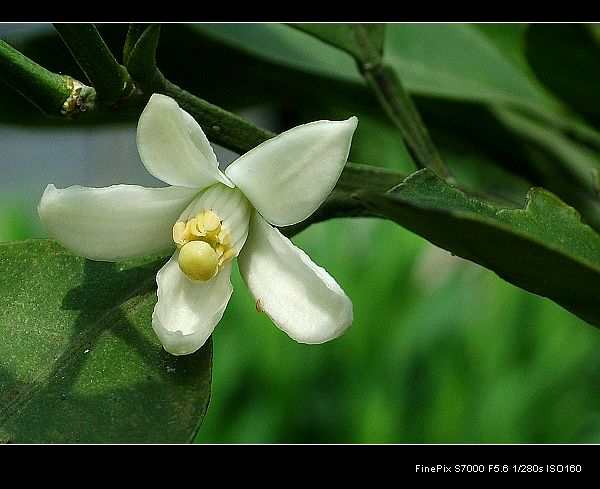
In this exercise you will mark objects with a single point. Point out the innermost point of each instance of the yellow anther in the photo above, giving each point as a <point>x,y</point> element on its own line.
<point>191,229</point>
<point>223,238</point>
<point>198,261</point>
<point>227,256</point>
<point>179,234</point>
<point>209,221</point>
<point>205,246</point>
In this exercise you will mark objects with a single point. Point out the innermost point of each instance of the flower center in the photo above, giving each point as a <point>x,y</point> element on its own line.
<point>204,246</point>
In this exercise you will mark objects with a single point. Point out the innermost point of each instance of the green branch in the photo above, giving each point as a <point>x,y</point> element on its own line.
<point>59,95</point>
<point>237,134</point>
<point>46,90</point>
<point>110,79</point>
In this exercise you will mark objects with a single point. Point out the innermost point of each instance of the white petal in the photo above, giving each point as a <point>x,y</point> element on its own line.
<point>173,146</point>
<point>300,297</point>
<point>288,177</point>
<point>231,206</point>
<point>187,312</point>
<point>113,223</point>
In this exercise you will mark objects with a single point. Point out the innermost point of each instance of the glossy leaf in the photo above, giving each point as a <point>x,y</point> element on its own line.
<point>79,361</point>
<point>457,61</point>
<point>543,248</point>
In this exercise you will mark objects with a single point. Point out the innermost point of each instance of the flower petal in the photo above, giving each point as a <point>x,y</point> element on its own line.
<point>288,177</point>
<point>187,312</point>
<point>300,297</point>
<point>173,146</point>
<point>113,223</point>
<point>231,206</point>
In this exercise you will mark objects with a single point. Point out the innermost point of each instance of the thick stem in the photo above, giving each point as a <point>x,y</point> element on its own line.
<point>46,90</point>
<point>106,75</point>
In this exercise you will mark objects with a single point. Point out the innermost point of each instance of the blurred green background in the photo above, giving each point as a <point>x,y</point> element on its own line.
<point>441,350</point>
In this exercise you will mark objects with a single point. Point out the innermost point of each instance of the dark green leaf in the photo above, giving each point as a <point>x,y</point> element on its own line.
<point>563,165</point>
<point>454,61</point>
<point>79,362</point>
<point>566,58</point>
<point>363,41</point>
<point>286,46</point>
<point>543,248</point>
<point>508,38</point>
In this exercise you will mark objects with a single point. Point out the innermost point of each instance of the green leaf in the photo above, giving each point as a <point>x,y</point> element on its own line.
<point>363,41</point>
<point>79,361</point>
<point>566,58</point>
<point>508,38</point>
<point>543,248</point>
<point>564,166</point>
<point>455,61</point>
<point>463,63</point>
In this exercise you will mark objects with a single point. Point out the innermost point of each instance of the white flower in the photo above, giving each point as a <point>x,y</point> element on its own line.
<point>212,217</point>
